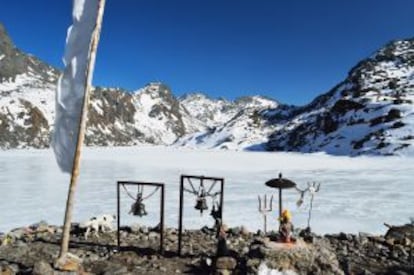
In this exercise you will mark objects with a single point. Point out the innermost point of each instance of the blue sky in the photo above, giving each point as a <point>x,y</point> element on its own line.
<point>288,50</point>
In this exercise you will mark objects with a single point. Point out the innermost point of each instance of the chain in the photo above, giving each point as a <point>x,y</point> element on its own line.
<point>129,194</point>
<point>142,192</point>
<point>153,192</point>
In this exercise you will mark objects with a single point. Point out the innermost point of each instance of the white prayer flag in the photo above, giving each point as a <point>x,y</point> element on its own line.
<point>73,82</point>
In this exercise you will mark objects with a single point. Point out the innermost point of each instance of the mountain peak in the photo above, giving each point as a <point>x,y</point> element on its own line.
<point>256,101</point>
<point>156,90</point>
<point>194,96</point>
<point>5,42</point>
<point>14,62</point>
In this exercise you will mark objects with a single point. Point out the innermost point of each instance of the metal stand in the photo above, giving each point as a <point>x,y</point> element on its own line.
<point>182,189</point>
<point>158,185</point>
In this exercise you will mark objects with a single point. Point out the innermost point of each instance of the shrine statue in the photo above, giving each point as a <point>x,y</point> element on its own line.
<point>286,226</point>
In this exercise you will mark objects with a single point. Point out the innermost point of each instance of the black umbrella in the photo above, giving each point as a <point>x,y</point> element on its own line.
<point>280,183</point>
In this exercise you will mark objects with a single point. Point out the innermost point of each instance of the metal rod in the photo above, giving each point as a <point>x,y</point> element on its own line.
<point>162,221</point>
<point>141,183</point>
<point>310,211</point>
<point>211,186</point>
<point>280,204</point>
<point>180,217</point>
<point>260,203</point>
<point>221,202</point>
<point>118,222</point>
<point>81,133</point>
<point>201,177</point>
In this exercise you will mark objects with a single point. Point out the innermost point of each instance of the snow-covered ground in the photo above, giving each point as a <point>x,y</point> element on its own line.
<point>357,194</point>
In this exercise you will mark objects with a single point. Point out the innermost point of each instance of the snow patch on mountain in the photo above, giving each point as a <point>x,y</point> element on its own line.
<point>160,116</point>
<point>216,112</point>
<point>248,123</point>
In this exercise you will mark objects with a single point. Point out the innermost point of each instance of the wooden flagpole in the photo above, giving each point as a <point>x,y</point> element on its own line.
<point>62,260</point>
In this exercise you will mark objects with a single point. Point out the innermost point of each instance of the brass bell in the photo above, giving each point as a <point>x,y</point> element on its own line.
<point>201,204</point>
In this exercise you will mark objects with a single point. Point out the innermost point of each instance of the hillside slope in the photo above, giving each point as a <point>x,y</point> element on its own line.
<point>370,112</point>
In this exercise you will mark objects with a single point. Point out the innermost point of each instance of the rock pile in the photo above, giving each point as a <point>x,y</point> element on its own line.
<point>33,250</point>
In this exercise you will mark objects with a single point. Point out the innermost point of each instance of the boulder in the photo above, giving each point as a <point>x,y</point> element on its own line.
<point>400,234</point>
<point>6,269</point>
<point>228,263</point>
<point>42,268</point>
<point>300,256</point>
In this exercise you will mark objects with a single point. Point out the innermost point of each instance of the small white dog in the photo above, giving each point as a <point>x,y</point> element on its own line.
<point>102,223</point>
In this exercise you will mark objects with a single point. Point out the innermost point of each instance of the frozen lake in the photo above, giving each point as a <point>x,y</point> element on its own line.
<point>357,194</point>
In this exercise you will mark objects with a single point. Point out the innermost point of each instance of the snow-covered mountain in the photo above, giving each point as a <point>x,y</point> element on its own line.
<point>161,117</point>
<point>151,115</point>
<point>216,112</point>
<point>370,112</point>
<point>27,97</point>
<point>242,124</point>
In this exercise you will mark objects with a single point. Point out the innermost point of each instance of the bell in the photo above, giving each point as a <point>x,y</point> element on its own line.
<point>138,209</point>
<point>201,204</point>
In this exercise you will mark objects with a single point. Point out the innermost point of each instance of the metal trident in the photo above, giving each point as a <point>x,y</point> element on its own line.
<point>265,209</point>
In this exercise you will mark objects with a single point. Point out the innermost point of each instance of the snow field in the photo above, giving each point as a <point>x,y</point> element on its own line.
<point>357,194</point>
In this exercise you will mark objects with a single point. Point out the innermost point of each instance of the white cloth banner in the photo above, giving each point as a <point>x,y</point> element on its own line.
<point>72,83</point>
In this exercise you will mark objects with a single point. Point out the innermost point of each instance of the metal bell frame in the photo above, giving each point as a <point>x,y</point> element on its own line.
<point>139,207</point>
<point>201,200</point>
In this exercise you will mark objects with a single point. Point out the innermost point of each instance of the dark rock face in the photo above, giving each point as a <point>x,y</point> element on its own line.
<point>14,62</point>
<point>11,63</point>
<point>403,234</point>
<point>343,106</point>
<point>29,126</point>
<point>111,118</point>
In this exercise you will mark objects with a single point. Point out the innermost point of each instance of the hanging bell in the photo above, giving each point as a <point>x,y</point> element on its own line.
<point>138,209</point>
<point>201,204</point>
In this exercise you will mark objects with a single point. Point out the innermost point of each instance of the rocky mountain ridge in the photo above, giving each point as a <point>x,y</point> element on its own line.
<point>370,112</point>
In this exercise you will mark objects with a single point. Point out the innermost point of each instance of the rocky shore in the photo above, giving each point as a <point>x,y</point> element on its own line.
<point>33,249</point>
